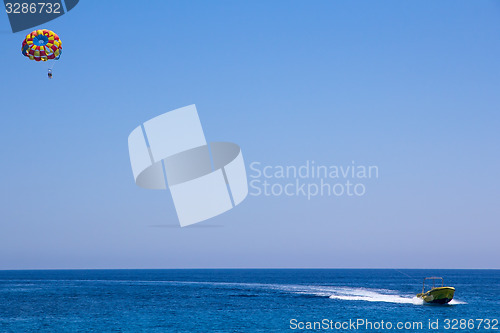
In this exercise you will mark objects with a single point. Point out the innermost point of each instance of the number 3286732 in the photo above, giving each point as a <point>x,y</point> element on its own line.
<point>33,8</point>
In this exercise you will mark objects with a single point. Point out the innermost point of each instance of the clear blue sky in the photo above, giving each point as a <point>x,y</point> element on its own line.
<point>410,86</point>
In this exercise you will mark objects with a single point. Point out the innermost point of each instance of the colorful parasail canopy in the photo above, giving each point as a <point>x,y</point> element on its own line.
<point>42,45</point>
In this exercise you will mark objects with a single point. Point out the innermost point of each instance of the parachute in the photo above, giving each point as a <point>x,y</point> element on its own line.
<point>42,45</point>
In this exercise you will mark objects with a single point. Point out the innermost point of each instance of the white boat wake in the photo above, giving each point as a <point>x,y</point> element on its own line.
<point>342,293</point>
<point>356,294</point>
<point>333,292</point>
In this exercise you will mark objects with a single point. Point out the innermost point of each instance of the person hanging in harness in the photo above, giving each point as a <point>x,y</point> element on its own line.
<point>49,74</point>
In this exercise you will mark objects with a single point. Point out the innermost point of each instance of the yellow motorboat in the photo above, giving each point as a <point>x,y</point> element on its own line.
<point>436,294</point>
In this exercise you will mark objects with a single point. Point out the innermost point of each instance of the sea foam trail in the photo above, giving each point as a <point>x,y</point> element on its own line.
<point>343,293</point>
<point>371,296</point>
<point>333,292</point>
<point>358,294</point>
<point>364,294</point>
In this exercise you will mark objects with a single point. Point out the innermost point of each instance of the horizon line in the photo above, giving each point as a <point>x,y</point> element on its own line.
<point>233,268</point>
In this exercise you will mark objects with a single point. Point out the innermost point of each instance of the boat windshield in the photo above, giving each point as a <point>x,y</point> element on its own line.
<point>432,282</point>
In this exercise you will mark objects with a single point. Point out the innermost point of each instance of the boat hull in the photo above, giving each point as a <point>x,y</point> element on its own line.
<point>440,295</point>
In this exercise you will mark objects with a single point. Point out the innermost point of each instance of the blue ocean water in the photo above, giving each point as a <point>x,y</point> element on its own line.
<point>281,300</point>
